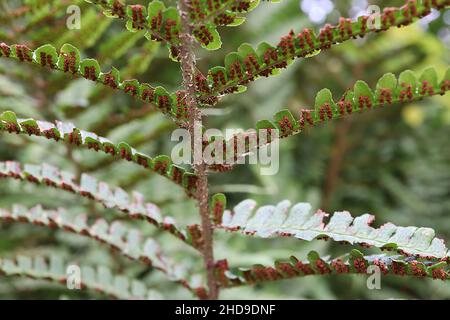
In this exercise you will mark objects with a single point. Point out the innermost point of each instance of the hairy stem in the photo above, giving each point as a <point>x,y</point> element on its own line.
<point>187,61</point>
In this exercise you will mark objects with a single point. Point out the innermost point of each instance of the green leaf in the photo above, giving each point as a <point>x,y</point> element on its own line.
<point>81,138</point>
<point>286,122</point>
<point>222,13</point>
<point>210,32</point>
<point>154,7</point>
<point>218,205</point>
<point>429,75</point>
<point>387,81</point>
<point>9,116</point>
<point>314,45</point>
<point>172,13</point>
<point>190,182</point>
<point>231,58</point>
<point>136,17</point>
<point>217,70</point>
<point>240,89</point>
<point>353,263</point>
<point>90,69</point>
<point>20,52</point>
<point>407,78</point>
<point>69,58</point>
<point>89,63</point>
<point>263,47</point>
<point>130,87</point>
<point>112,78</point>
<point>146,92</point>
<point>236,22</point>
<point>176,173</point>
<point>312,53</point>
<point>348,104</point>
<point>46,55</point>
<point>246,50</point>
<point>265,124</point>
<point>361,91</point>
<point>161,163</point>
<point>447,75</point>
<point>324,98</point>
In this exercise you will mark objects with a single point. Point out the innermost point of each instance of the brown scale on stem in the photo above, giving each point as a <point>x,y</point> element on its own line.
<point>187,61</point>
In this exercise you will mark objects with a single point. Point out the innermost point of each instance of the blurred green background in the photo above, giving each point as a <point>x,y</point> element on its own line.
<point>393,162</point>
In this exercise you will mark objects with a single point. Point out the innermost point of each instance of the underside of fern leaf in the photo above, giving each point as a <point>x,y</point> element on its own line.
<point>159,22</point>
<point>298,221</point>
<point>116,235</point>
<point>134,206</point>
<point>100,279</point>
<point>68,60</point>
<point>408,88</point>
<point>248,64</point>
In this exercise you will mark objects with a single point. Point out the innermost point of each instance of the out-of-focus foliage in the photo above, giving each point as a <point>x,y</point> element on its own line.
<point>393,162</point>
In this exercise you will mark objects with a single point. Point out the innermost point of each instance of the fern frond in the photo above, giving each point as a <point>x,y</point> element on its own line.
<point>248,64</point>
<point>54,269</point>
<point>68,60</point>
<point>353,263</point>
<point>207,15</point>
<point>389,91</point>
<point>67,132</point>
<point>128,242</point>
<point>298,221</point>
<point>115,198</point>
<point>159,22</point>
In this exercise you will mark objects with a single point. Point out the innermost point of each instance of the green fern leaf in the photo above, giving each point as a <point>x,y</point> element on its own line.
<point>304,44</point>
<point>388,91</point>
<point>68,60</point>
<point>67,132</point>
<point>353,263</point>
<point>127,242</point>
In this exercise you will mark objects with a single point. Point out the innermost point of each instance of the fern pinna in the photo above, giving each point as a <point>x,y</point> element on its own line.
<point>35,34</point>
